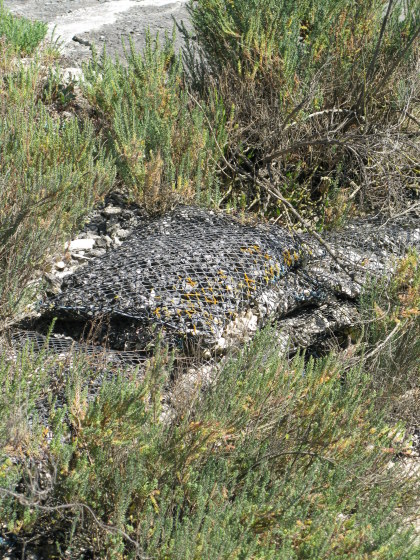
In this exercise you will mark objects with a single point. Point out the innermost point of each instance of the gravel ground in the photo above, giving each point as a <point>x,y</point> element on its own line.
<point>101,22</point>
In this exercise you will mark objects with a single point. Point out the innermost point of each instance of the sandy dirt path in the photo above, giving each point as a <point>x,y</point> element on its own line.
<point>100,22</point>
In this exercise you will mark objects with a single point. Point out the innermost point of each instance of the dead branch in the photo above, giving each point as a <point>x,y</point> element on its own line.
<point>24,501</point>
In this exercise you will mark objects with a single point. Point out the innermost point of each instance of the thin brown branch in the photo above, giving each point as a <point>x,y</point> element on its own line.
<point>379,347</point>
<point>303,144</point>
<point>23,500</point>
<point>296,453</point>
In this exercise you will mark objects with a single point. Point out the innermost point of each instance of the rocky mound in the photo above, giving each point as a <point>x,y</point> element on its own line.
<point>191,273</point>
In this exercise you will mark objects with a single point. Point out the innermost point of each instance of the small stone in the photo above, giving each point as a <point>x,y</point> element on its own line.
<point>60,265</point>
<point>80,256</point>
<point>101,242</point>
<point>81,244</point>
<point>221,343</point>
<point>53,284</point>
<point>112,229</point>
<point>111,211</point>
<point>98,252</point>
<point>122,233</point>
<point>91,235</point>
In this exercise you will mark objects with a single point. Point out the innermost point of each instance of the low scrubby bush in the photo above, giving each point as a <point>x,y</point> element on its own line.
<point>324,99</point>
<point>163,147</point>
<point>390,309</point>
<point>24,35</point>
<point>52,171</point>
<point>277,459</point>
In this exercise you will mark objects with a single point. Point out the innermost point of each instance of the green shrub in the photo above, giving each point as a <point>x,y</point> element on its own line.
<point>323,91</point>
<point>164,150</point>
<point>390,309</point>
<point>52,172</point>
<point>24,35</point>
<point>275,460</point>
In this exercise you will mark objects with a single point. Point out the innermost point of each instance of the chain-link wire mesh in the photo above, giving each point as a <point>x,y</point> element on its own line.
<point>190,272</point>
<point>64,347</point>
<point>194,272</point>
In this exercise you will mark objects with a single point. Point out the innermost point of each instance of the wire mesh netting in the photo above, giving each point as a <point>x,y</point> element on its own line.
<point>190,272</point>
<point>210,279</point>
<point>64,347</point>
<point>100,359</point>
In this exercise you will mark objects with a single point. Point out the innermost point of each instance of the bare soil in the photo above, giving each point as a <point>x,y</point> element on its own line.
<point>101,22</point>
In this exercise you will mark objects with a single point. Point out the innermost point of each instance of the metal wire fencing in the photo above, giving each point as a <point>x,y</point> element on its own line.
<point>190,272</point>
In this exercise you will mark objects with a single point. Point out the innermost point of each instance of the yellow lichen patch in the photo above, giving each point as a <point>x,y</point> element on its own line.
<point>212,300</point>
<point>249,282</point>
<point>287,257</point>
<point>190,311</point>
<point>251,249</point>
<point>191,282</point>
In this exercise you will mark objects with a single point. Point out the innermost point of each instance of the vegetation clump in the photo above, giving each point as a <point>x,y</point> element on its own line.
<point>278,459</point>
<point>164,150</point>
<point>52,171</point>
<point>20,33</point>
<point>323,99</point>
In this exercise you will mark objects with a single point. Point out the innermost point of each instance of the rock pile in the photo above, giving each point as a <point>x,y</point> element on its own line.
<point>191,272</point>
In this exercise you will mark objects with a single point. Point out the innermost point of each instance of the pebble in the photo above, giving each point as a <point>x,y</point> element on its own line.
<point>81,244</point>
<point>122,233</point>
<point>60,265</point>
<point>104,241</point>
<point>98,252</point>
<point>112,229</point>
<point>111,211</point>
<point>80,256</point>
<point>101,242</point>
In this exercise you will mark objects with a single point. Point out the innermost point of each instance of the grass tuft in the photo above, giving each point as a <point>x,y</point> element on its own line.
<point>22,34</point>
